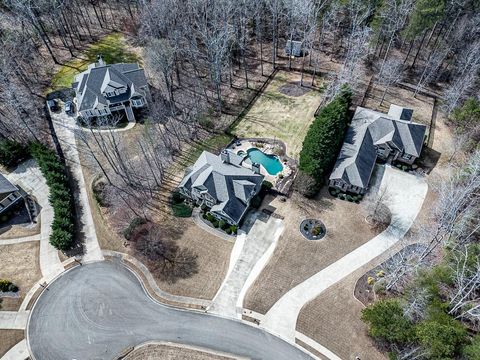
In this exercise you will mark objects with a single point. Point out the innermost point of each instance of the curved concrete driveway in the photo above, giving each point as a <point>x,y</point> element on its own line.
<point>97,310</point>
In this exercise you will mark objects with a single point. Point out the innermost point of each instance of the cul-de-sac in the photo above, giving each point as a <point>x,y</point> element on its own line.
<point>240,179</point>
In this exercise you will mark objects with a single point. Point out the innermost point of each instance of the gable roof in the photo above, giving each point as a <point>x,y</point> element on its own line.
<point>99,78</point>
<point>368,129</point>
<point>6,186</point>
<point>230,184</point>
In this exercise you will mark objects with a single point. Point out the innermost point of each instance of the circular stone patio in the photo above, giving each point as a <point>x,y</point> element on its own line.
<point>312,229</point>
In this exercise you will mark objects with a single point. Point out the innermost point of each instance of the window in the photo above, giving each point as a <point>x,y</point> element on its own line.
<point>110,94</point>
<point>137,102</point>
<point>407,156</point>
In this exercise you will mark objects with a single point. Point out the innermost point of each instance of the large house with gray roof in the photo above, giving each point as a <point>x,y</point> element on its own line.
<point>103,89</point>
<point>10,195</point>
<point>374,135</point>
<point>224,183</point>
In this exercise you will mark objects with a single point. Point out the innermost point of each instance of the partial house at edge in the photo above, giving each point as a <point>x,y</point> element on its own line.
<point>223,183</point>
<point>103,89</point>
<point>9,194</point>
<point>374,135</point>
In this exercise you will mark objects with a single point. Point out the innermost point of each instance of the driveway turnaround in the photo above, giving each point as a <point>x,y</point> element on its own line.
<point>97,310</point>
<point>404,197</point>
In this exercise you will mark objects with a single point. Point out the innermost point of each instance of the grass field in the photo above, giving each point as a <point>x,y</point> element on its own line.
<point>113,48</point>
<point>281,116</point>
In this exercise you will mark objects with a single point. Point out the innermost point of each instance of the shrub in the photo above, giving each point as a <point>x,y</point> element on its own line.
<point>182,210</point>
<point>215,223</point>
<point>228,231</point>
<point>134,223</point>
<point>256,201</point>
<point>234,229</point>
<point>317,230</point>
<point>177,198</point>
<point>441,338</point>
<point>61,198</point>
<point>6,286</point>
<point>267,185</point>
<point>222,224</point>
<point>12,152</point>
<point>472,350</point>
<point>387,322</point>
<point>210,217</point>
<point>306,184</point>
<point>325,137</point>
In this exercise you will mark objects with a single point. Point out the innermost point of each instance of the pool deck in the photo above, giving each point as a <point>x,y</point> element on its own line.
<point>268,149</point>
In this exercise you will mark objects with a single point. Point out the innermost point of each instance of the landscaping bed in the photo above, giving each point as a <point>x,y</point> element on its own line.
<point>222,225</point>
<point>342,195</point>
<point>312,229</point>
<point>370,287</point>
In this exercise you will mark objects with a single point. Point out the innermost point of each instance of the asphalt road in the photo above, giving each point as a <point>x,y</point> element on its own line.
<point>96,311</point>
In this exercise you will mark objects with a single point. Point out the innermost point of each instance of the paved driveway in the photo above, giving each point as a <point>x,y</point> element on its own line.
<point>249,256</point>
<point>405,195</point>
<point>96,310</point>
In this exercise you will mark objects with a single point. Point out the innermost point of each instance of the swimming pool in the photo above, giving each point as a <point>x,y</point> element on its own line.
<point>269,162</point>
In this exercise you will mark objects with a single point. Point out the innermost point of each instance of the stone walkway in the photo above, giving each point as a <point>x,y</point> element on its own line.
<point>65,129</point>
<point>249,256</point>
<point>406,194</point>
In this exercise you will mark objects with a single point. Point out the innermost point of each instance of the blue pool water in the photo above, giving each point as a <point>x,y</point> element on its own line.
<point>269,162</point>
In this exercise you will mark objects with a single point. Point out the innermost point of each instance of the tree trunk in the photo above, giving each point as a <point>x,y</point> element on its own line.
<point>419,48</point>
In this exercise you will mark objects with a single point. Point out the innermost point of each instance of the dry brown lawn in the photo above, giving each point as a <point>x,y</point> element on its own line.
<point>166,352</point>
<point>213,253</point>
<point>8,339</point>
<point>295,259</point>
<point>333,320</point>
<point>20,264</point>
<point>276,115</point>
<point>422,105</point>
<point>16,231</point>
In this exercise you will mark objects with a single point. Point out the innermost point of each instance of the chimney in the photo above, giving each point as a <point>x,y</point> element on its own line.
<point>225,156</point>
<point>256,168</point>
<point>100,61</point>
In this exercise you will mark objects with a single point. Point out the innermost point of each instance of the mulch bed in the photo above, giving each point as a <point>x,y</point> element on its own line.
<point>293,89</point>
<point>363,290</point>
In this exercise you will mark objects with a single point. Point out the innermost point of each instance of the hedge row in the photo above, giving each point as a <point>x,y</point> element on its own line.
<point>60,198</point>
<point>323,141</point>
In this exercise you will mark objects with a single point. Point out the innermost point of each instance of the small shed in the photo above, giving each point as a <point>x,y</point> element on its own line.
<point>294,48</point>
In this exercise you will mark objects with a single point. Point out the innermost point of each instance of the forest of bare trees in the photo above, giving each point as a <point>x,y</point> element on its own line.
<point>206,59</point>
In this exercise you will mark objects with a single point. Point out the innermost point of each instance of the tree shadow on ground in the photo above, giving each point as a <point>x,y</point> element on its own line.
<point>157,246</point>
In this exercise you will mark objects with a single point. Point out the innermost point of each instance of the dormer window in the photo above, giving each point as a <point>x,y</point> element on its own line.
<point>110,94</point>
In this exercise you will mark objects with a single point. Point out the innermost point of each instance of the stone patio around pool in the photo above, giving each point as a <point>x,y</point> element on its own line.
<point>283,179</point>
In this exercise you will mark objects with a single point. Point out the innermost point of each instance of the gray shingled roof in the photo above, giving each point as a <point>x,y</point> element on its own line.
<point>6,186</point>
<point>357,156</point>
<point>231,185</point>
<point>91,83</point>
